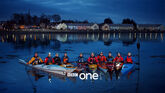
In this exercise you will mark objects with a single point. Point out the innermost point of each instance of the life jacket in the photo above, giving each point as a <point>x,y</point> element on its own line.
<point>57,60</point>
<point>92,59</point>
<point>80,59</point>
<point>101,58</point>
<point>110,58</point>
<point>49,60</point>
<point>65,59</point>
<point>129,59</point>
<point>36,60</point>
<point>118,59</point>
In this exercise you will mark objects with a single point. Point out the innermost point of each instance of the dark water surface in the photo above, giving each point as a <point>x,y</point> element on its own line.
<point>148,77</point>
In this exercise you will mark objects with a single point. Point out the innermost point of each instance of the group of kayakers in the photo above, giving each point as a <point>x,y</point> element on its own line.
<point>100,59</point>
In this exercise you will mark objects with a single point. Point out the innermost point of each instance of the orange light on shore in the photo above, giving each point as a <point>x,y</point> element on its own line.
<point>22,27</point>
<point>34,26</point>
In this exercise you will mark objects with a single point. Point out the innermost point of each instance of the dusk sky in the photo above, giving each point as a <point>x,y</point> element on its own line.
<point>142,11</point>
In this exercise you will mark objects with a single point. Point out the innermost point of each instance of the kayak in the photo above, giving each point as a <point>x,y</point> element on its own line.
<point>110,66</point>
<point>106,67</point>
<point>92,67</point>
<point>103,68</point>
<point>81,66</point>
<point>58,69</point>
<point>118,66</point>
<point>127,68</point>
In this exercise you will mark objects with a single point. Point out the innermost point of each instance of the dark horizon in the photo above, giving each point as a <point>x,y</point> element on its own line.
<point>142,11</point>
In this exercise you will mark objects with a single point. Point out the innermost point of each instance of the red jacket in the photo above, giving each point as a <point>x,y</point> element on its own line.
<point>129,59</point>
<point>101,58</point>
<point>92,60</point>
<point>49,60</point>
<point>118,59</point>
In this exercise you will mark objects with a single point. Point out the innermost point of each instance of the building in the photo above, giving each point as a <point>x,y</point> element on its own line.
<point>105,27</point>
<point>121,27</point>
<point>95,27</point>
<point>1,27</point>
<point>61,26</point>
<point>113,27</point>
<point>150,27</point>
<point>82,26</point>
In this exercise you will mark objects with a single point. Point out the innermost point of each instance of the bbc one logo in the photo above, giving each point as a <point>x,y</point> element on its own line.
<point>84,76</point>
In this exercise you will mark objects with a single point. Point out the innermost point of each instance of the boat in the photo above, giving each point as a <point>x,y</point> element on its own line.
<point>81,66</point>
<point>103,68</point>
<point>118,66</point>
<point>92,67</point>
<point>110,67</point>
<point>127,68</point>
<point>106,67</point>
<point>58,69</point>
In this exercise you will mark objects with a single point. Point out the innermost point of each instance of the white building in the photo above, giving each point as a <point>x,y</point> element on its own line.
<point>61,26</point>
<point>150,27</point>
<point>117,27</point>
<point>82,26</point>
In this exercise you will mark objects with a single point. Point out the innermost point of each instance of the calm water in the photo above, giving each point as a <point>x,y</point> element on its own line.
<point>147,77</point>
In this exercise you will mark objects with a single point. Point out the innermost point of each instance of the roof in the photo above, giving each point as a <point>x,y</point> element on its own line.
<point>121,25</point>
<point>149,25</point>
<point>79,24</point>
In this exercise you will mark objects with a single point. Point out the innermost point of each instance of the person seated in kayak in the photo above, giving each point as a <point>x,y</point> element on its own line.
<point>92,59</point>
<point>81,61</point>
<point>118,58</point>
<point>65,58</point>
<point>48,59</point>
<point>101,58</point>
<point>118,62</point>
<point>129,58</point>
<point>110,58</point>
<point>57,59</point>
<point>35,60</point>
<point>81,58</point>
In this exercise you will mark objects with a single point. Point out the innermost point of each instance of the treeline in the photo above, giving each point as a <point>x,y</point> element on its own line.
<point>28,19</point>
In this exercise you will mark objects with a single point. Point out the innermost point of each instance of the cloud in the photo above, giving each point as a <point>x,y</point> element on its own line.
<point>143,11</point>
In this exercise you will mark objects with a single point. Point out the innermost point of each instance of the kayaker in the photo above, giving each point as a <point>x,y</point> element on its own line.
<point>48,59</point>
<point>129,58</point>
<point>65,58</point>
<point>81,61</point>
<point>118,58</point>
<point>81,58</point>
<point>57,59</point>
<point>101,58</point>
<point>92,59</point>
<point>35,60</point>
<point>118,61</point>
<point>110,58</point>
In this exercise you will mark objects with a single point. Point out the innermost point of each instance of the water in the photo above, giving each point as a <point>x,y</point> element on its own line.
<point>147,77</point>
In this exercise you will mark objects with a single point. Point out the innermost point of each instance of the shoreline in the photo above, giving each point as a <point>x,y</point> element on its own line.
<point>76,31</point>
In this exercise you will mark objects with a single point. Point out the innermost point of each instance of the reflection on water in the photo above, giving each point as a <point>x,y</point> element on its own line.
<point>110,75</point>
<point>41,39</point>
<point>24,45</point>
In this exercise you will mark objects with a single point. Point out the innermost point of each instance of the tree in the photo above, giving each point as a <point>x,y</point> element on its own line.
<point>67,21</point>
<point>108,21</point>
<point>85,21</point>
<point>22,20</point>
<point>44,19</point>
<point>16,17</point>
<point>129,21</point>
<point>56,18</point>
<point>34,19</point>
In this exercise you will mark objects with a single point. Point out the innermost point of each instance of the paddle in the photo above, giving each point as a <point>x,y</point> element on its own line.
<point>137,63</point>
